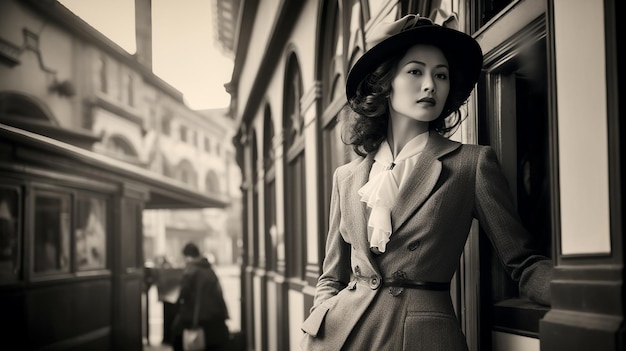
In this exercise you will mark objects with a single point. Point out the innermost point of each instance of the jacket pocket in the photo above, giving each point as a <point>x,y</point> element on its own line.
<point>313,323</point>
<point>432,331</point>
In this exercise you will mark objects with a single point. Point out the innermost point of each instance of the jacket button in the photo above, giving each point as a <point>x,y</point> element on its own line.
<point>374,282</point>
<point>414,245</point>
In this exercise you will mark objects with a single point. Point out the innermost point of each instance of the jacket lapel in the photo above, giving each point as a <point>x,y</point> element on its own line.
<point>422,179</point>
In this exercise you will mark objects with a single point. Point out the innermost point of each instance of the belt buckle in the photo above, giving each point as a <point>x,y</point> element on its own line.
<point>395,291</point>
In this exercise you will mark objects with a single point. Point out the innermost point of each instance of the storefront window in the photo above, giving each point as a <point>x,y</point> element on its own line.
<point>91,234</point>
<point>52,233</point>
<point>9,234</point>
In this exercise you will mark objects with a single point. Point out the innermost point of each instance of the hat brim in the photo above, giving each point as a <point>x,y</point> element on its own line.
<point>463,53</point>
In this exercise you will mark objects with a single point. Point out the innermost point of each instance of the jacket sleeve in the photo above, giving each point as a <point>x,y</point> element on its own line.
<point>186,296</point>
<point>336,267</point>
<point>499,219</point>
<point>186,284</point>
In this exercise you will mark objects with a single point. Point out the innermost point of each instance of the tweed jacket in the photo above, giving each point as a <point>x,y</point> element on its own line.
<point>451,185</point>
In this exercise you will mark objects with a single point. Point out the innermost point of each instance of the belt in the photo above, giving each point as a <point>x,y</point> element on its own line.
<point>416,284</point>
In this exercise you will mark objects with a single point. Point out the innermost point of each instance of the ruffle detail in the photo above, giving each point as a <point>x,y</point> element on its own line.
<point>379,194</point>
<point>387,176</point>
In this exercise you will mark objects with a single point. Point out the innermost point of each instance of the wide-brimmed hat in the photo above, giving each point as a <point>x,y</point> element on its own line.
<point>463,53</point>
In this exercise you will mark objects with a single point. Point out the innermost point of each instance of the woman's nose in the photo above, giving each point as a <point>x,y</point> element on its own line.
<point>428,85</point>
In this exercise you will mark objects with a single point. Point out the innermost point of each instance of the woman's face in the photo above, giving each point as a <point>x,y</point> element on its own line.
<point>421,84</point>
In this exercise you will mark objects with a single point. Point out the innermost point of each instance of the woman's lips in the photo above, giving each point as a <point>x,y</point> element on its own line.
<point>427,100</point>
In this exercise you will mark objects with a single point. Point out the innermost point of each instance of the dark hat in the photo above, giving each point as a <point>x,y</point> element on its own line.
<point>191,250</point>
<point>463,53</point>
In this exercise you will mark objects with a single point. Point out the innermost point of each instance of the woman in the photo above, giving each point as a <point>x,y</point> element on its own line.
<point>401,213</point>
<point>200,289</point>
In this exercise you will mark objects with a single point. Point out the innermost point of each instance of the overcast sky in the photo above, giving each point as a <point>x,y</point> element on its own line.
<point>184,54</point>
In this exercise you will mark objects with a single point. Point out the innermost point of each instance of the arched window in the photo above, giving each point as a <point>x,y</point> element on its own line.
<point>186,173</point>
<point>271,232</point>
<point>22,106</point>
<point>295,175</point>
<point>332,51</point>
<point>333,60</point>
<point>120,146</point>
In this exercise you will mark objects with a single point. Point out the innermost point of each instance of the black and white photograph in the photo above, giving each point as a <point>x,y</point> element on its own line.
<point>312,175</point>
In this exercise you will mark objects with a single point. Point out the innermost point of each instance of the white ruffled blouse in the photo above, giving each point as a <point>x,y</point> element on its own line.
<point>386,178</point>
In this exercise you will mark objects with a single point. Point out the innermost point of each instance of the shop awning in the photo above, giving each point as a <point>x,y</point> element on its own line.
<point>163,192</point>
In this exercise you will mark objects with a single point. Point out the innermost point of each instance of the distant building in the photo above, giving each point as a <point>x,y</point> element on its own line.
<point>102,166</point>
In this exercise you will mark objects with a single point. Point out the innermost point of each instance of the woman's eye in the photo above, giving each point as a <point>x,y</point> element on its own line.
<point>415,71</point>
<point>442,76</point>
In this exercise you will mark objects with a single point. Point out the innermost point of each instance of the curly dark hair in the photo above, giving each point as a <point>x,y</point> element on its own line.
<point>367,114</point>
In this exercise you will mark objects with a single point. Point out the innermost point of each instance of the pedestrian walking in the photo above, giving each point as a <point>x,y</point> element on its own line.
<point>200,302</point>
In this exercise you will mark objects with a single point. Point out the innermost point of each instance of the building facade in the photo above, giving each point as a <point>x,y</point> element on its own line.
<point>548,101</point>
<point>103,166</point>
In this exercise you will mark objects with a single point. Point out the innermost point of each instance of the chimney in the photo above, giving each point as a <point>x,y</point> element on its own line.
<point>143,32</point>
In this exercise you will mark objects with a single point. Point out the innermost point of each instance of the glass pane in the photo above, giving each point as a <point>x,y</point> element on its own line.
<point>270,225</point>
<point>296,214</point>
<point>9,235</point>
<point>533,145</point>
<point>52,233</point>
<point>91,234</point>
<point>525,154</point>
<point>490,8</point>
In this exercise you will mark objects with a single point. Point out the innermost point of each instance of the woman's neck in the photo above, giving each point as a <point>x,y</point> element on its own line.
<point>401,130</point>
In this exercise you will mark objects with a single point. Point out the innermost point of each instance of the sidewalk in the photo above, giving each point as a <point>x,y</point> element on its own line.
<point>157,348</point>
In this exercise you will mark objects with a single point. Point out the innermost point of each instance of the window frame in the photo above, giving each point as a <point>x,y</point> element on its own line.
<point>63,196</point>
<point>72,195</point>
<point>166,123</point>
<point>102,74</point>
<point>183,133</point>
<point>207,144</point>
<point>511,313</point>
<point>334,56</point>
<point>106,203</point>
<point>269,182</point>
<point>294,264</point>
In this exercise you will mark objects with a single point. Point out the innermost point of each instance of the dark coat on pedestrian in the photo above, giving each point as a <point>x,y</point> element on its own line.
<point>201,286</point>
